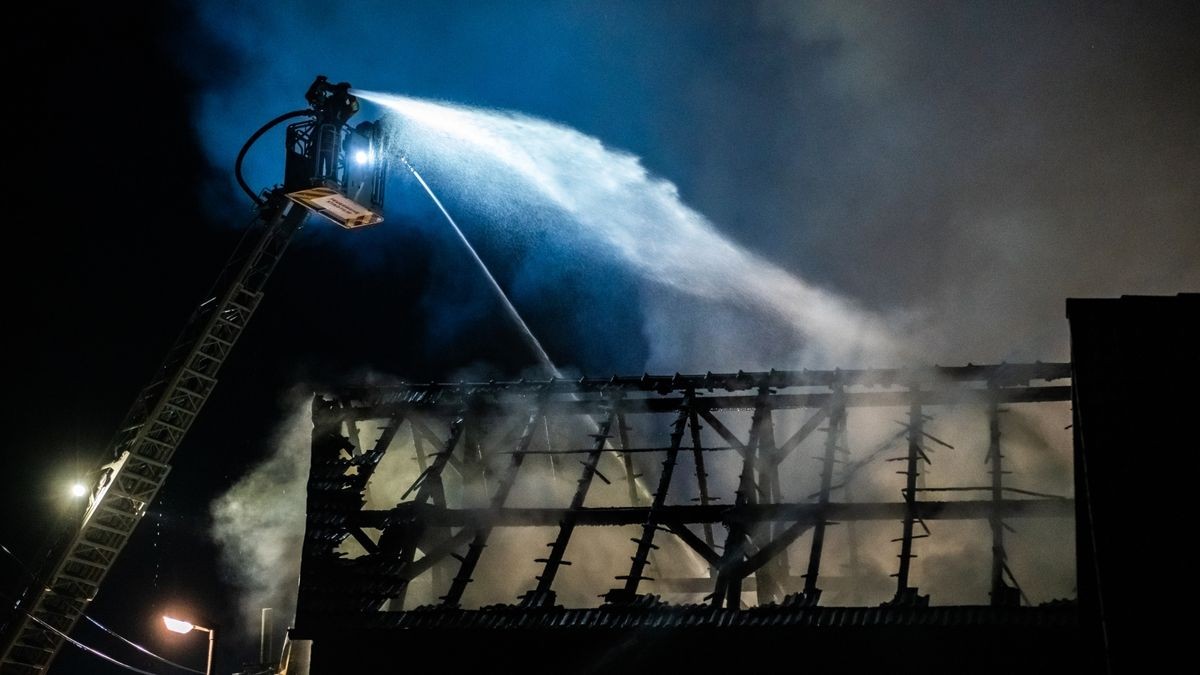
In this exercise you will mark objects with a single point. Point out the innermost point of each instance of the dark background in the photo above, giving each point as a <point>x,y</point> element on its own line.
<point>977,162</point>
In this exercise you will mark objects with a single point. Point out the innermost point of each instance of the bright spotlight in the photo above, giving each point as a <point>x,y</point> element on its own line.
<point>362,157</point>
<point>78,490</point>
<point>177,625</point>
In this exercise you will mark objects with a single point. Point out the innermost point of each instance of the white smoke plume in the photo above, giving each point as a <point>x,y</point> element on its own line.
<point>534,179</point>
<point>259,522</point>
<point>507,166</point>
<point>965,169</point>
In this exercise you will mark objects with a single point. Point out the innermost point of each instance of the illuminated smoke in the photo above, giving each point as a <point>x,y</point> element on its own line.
<point>523,174</point>
<point>259,522</point>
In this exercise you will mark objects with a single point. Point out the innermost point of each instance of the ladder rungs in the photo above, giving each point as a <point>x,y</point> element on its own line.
<point>110,505</point>
<point>144,485</point>
<point>198,354</point>
<point>180,408</point>
<point>94,544</point>
<point>130,474</point>
<point>28,645</point>
<point>231,323</point>
<point>48,615</point>
<point>214,338</point>
<point>33,630</point>
<point>22,664</point>
<point>160,418</point>
<point>152,462</point>
<point>199,375</point>
<point>244,308</point>
<point>203,396</point>
<point>169,446</point>
<point>87,563</point>
<point>117,492</point>
<point>172,427</point>
<point>105,506</point>
<point>106,528</point>
<point>81,580</point>
<point>74,604</point>
<point>218,341</point>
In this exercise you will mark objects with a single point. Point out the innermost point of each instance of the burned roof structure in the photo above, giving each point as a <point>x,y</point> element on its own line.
<point>644,522</point>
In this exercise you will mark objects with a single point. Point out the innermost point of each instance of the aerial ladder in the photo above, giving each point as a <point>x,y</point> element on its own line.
<point>331,169</point>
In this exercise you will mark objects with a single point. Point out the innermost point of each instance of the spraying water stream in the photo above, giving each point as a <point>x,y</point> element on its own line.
<point>525,176</point>
<point>510,309</point>
<point>528,176</point>
<point>512,312</point>
<point>521,175</point>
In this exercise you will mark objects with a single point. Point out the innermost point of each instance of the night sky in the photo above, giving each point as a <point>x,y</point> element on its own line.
<point>972,164</point>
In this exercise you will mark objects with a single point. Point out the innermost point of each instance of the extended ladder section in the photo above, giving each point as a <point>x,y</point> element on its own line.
<point>142,449</point>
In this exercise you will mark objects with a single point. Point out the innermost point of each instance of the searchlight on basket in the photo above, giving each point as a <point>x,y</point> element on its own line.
<point>333,169</point>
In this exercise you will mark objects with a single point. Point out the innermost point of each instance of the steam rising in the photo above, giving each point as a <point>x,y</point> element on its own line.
<point>259,522</point>
<point>533,178</point>
<point>969,167</point>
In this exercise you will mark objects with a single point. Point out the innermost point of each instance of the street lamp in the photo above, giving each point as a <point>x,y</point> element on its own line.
<point>181,626</point>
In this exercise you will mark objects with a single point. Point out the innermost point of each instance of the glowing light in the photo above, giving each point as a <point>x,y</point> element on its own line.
<point>177,625</point>
<point>363,157</point>
<point>78,490</point>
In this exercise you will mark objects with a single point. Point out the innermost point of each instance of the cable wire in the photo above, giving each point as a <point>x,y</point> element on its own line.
<point>99,625</point>
<point>140,648</point>
<point>90,650</point>
<point>237,165</point>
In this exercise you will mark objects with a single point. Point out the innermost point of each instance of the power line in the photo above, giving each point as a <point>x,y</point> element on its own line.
<point>99,625</point>
<point>80,645</point>
<point>140,648</point>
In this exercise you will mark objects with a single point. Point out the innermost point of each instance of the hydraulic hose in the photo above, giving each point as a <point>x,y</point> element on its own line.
<point>237,165</point>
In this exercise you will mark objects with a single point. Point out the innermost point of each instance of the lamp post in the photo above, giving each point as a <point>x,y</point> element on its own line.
<point>181,626</point>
